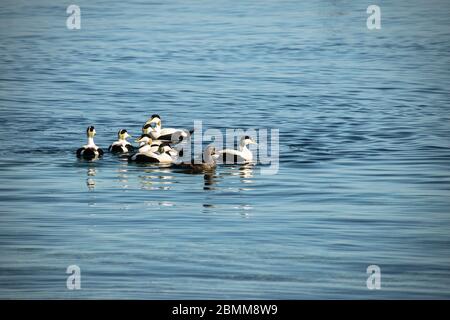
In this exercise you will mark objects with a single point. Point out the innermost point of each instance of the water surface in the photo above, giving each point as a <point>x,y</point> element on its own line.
<point>364,167</point>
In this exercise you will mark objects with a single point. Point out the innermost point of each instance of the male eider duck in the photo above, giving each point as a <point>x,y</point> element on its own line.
<point>236,156</point>
<point>152,152</point>
<point>153,125</point>
<point>208,162</point>
<point>121,145</point>
<point>90,150</point>
<point>147,144</point>
<point>165,148</point>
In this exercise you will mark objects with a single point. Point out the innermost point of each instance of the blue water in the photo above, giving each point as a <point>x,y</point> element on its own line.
<point>364,173</point>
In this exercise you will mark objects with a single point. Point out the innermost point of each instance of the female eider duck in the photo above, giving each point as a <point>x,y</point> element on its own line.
<point>236,156</point>
<point>121,145</point>
<point>90,150</point>
<point>153,125</point>
<point>208,162</point>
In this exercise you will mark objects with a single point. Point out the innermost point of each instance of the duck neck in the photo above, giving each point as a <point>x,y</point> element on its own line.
<point>90,141</point>
<point>242,146</point>
<point>209,158</point>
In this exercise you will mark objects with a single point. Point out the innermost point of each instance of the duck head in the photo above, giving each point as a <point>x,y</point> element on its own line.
<point>154,122</point>
<point>210,155</point>
<point>123,134</point>
<point>147,128</point>
<point>247,140</point>
<point>90,132</point>
<point>144,139</point>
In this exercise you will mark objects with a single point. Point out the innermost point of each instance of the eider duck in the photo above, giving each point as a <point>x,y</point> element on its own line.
<point>153,127</point>
<point>121,145</point>
<point>153,153</point>
<point>208,162</point>
<point>236,156</point>
<point>90,150</point>
<point>146,144</point>
<point>167,149</point>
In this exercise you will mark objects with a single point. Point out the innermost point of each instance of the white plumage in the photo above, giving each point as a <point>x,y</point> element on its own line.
<point>236,156</point>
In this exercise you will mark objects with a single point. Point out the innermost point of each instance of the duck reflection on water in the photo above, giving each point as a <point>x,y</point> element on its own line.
<point>156,179</point>
<point>90,181</point>
<point>122,175</point>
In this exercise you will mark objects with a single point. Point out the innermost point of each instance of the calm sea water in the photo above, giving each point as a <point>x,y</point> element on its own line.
<point>365,151</point>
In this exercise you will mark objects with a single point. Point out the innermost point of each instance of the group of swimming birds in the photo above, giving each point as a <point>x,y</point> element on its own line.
<point>159,145</point>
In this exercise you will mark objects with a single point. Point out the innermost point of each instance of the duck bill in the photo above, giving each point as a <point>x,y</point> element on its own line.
<point>140,140</point>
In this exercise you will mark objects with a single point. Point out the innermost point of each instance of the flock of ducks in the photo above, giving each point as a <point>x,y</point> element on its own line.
<point>159,146</point>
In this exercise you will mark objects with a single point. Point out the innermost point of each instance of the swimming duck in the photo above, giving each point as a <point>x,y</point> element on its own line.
<point>153,127</point>
<point>153,153</point>
<point>208,161</point>
<point>90,150</point>
<point>121,145</point>
<point>236,156</point>
<point>146,144</point>
<point>165,154</point>
<point>167,149</point>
